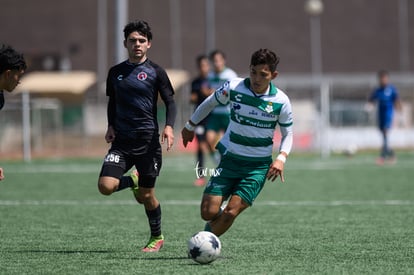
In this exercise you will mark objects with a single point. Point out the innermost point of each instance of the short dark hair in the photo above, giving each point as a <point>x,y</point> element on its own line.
<point>382,73</point>
<point>11,59</point>
<point>200,58</point>
<point>140,26</point>
<point>216,52</point>
<point>265,56</point>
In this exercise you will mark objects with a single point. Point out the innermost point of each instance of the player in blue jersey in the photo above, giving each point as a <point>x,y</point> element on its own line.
<point>133,87</point>
<point>387,97</point>
<point>12,67</point>
<point>257,107</point>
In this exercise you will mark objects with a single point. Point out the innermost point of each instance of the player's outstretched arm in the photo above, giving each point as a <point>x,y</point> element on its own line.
<point>1,174</point>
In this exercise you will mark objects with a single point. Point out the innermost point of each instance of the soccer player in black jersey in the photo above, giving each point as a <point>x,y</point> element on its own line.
<point>12,67</point>
<point>133,87</point>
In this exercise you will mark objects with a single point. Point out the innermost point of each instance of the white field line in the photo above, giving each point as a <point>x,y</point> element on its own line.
<point>189,166</point>
<point>197,203</point>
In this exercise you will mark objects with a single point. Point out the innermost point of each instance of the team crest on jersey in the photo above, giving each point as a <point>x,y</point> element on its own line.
<point>142,76</point>
<point>269,107</point>
<point>222,91</point>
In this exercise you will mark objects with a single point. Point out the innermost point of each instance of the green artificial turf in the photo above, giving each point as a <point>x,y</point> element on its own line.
<point>336,216</point>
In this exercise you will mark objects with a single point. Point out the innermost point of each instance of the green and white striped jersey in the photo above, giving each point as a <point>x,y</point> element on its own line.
<point>253,119</point>
<point>216,80</point>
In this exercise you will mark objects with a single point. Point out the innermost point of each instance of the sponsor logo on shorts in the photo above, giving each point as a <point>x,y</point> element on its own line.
<point>215,185</point>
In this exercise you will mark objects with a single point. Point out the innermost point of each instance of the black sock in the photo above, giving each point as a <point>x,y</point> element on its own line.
<point>200,158</point>
<point>154,220</point>
<point>125,182</point>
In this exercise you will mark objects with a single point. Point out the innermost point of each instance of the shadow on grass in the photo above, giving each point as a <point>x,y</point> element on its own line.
<point>166,258</point>
<point>65,251</point>
<point>190,261</point>
<point>145,257</point>
<point>45,251</point>
<point>162,258</point>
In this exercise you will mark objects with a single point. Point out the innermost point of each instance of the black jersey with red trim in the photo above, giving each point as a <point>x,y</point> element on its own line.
<point>133,93</point>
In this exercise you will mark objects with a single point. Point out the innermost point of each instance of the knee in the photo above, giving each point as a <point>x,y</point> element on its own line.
<point>105,187</point>
<point>104,190</point>
<point>210,136</point>
<point>209,213</point>
<point>144,197</point>
<point>230,213</point>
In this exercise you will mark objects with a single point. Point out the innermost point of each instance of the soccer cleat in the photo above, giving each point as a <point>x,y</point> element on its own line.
<point>134,176</point>
<point>380,161</point>
<point>392,160</point>
<point>154,244</point>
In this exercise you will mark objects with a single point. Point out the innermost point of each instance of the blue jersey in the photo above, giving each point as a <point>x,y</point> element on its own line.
<point>386,97</point>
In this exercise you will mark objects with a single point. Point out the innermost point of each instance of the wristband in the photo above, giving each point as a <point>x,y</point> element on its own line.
<point>282,158</point>
<point>189,127</point>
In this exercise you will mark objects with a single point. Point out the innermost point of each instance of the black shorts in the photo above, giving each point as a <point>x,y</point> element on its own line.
<point>143,152</point>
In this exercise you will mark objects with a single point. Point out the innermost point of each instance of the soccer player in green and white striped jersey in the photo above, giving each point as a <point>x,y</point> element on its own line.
<point>257,107</point>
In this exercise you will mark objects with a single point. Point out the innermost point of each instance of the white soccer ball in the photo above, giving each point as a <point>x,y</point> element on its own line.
<point>204,247</point>
<point>351,150</point>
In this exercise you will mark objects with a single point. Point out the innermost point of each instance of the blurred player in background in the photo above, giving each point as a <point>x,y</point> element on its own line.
<point>200,90</point>
<point>387,97</point>
<point>257,107</point>
<point>132,88</point>
<point>218,120</point>
<point>12,67</point>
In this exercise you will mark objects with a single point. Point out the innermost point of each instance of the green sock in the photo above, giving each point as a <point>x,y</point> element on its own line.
<point>207,227</point>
